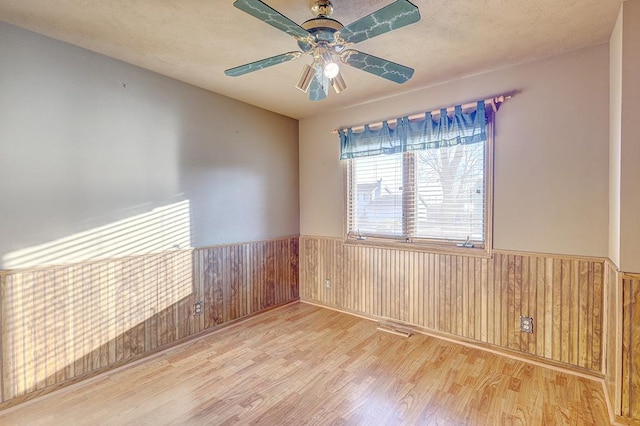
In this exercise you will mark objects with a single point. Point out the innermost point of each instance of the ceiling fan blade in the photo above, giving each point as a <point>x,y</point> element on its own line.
<point>263,63</point>
<point>378,66</point>
<point>396,15</point>
<point>319,87</point>
<point>272,17</point>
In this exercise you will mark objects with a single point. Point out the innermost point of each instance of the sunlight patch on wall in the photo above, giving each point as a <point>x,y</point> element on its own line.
<point>66,321</point>
<point>163,228</point>
<point>102,302</point>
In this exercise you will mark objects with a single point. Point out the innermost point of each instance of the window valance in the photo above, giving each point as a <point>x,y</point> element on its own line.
<point>434,131</point>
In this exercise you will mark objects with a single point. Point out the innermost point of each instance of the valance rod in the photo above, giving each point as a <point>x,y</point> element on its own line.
<point>494,102</point>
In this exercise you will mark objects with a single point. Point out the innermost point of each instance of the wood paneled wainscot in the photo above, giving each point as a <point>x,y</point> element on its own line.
<point>64,323</point>
<point>630,383</point>
<point>480,299</point>
<point>613,355</point>
<point>622,363</point>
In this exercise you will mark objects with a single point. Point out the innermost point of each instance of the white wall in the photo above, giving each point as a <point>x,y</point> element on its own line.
<point>615,124</point>
<point>551,159</point>
<point>86,141</point>
<point>630,139</point>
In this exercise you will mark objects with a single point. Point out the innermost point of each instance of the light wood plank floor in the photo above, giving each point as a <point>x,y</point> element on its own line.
<point>306,365</point>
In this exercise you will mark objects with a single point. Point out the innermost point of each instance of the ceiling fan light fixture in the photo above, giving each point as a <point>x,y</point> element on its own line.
<point>338,83</point>
<point>331,69</point>
<point>329,66</point>
<point>305,78</point>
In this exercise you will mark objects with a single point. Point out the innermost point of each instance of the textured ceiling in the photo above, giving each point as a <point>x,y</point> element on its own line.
<point>196,40</point>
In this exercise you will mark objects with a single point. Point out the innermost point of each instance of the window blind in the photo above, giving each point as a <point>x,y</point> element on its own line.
<point>375,206</point>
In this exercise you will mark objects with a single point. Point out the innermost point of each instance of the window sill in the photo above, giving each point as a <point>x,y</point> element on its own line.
<point>435,248</point>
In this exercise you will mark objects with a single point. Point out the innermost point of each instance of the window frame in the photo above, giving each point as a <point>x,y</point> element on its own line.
<point>425,244</point>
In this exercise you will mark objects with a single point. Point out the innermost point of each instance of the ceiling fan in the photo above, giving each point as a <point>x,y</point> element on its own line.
<point>328,42</point>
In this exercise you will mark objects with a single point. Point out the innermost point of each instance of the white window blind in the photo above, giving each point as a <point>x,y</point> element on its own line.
<point>375,206</point>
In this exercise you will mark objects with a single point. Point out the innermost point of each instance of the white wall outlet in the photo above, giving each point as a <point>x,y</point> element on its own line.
<point>526,324</point>
<point>197,308</point>
<point>327,283</point>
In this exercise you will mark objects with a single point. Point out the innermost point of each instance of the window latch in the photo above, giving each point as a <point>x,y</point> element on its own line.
<point>466,244</point>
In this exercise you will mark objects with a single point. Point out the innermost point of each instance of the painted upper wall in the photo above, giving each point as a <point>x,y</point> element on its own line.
<point>615,124</point>
<point>551,153</point>
<point>630,138</point>
<point>101,158</point>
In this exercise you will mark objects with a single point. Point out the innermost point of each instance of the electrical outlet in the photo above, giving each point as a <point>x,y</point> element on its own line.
<point>197,308</point>
<point>526,324</point>
<point>327,283</point>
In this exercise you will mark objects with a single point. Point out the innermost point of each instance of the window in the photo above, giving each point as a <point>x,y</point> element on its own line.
<point>439,195</point>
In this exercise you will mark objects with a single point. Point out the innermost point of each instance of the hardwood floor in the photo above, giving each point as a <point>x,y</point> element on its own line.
<point>302,364</point>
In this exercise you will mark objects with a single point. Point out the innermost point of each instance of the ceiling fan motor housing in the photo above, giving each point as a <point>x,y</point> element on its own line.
<point>323,31</point>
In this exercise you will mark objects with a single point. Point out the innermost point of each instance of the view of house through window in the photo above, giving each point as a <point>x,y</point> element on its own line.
<point>433,194</point>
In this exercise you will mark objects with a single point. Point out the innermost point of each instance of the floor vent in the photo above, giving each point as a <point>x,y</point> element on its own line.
<point>394,329</point>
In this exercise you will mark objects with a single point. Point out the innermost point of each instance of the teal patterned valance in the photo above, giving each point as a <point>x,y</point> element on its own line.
<point>428,133</point>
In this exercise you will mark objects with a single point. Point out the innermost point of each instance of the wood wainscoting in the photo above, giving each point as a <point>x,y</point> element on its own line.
<point>622,358</point>
<point>630,369</point>
<point>613,353</point>
<point>475,298</point>
<point>63,323</point>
